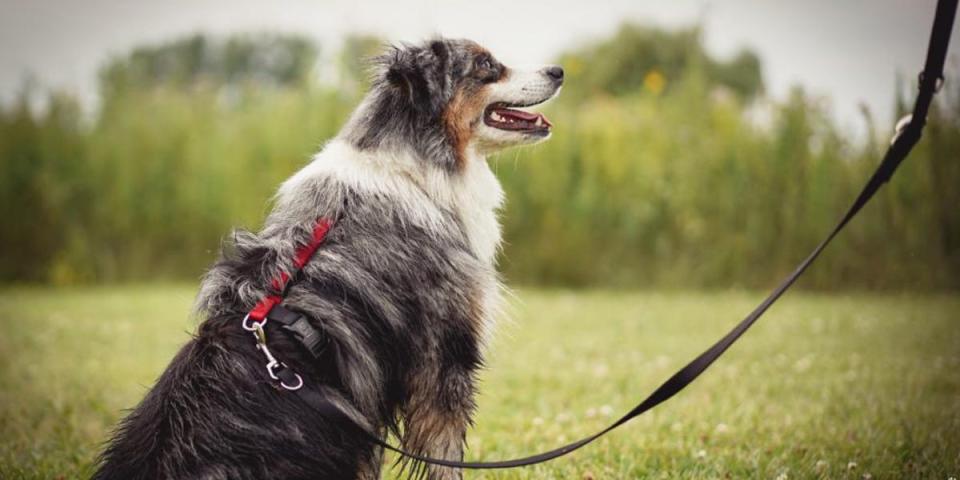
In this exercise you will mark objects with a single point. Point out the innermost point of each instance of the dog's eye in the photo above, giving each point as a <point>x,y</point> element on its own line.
<point>485,63</point>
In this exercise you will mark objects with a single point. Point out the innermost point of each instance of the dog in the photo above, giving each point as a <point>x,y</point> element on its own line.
<point>404,287</point>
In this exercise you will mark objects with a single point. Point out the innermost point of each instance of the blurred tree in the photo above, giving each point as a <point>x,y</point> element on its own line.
<point>263,59</point>
<point>637,55</point>
<point>742,74</point>
<point>42,159</point>
<point>355,57</point>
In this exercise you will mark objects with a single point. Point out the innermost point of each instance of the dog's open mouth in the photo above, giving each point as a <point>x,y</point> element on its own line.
<point>502,116</point>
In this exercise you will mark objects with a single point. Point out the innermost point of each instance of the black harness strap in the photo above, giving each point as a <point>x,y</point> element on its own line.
<point>297,325</point>
<point>905,139</point>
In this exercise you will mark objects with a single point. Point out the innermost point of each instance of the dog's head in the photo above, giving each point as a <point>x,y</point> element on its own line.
<point>446,96</point>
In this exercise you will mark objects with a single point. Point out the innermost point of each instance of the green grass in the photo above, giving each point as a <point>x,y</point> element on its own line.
<point>823,387</point>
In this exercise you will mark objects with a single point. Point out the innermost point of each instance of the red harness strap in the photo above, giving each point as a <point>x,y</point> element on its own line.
<point>279,283</point>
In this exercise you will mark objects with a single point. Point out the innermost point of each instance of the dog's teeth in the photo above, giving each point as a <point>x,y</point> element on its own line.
<point>539,122</point>
<point>496,117</point>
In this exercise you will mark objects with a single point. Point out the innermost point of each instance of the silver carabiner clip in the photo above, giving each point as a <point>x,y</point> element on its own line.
<point>272,362</point>
<point>272,367</point>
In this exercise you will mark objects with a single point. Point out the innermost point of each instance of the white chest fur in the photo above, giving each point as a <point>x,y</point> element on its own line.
<point>426,193</point>
<point>477,199</point>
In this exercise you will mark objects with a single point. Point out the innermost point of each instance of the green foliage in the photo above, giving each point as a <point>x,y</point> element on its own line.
<point>640,57</point>
<point>281,60</point>
<point>355,60</point>
<point>42,186</point>
<point>813,387</point>
<point>665,169</point>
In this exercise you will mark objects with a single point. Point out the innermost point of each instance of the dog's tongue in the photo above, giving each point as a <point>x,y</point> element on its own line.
<point>521,115</point>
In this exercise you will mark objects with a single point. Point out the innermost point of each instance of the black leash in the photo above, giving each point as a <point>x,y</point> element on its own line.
<point>908,134</point>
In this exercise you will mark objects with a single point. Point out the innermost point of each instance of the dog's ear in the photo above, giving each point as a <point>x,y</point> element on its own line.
<point>406,75</point>
<point>441,53</point>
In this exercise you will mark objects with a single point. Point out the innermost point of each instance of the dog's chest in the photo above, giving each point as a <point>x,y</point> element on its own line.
<point>477,203</point>
<point>477,197</point>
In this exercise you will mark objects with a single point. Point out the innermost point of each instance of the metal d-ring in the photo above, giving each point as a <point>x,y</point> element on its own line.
<point>296,387</point>
<point>255,325</point>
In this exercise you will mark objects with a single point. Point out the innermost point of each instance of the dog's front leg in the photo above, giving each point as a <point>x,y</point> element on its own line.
<point>436,417</point>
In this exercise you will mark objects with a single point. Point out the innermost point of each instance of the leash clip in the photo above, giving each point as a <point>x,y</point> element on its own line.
<point>280,371</point>
<point>277,370</point>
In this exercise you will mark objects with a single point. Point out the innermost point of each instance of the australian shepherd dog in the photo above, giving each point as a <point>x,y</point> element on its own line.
<point>404,287</point>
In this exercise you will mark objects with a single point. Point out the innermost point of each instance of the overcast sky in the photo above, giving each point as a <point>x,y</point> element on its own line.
<point>848,50</point>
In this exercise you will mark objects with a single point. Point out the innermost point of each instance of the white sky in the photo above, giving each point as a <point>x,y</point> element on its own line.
<point>848,50</point>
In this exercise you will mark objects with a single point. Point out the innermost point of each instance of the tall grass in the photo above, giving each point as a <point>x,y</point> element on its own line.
<point>653,187</point>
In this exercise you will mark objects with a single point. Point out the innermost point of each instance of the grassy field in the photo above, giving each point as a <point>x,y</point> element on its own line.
<point>825,387</point>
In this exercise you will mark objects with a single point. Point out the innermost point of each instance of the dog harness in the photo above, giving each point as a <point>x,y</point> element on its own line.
<point>295,324</point>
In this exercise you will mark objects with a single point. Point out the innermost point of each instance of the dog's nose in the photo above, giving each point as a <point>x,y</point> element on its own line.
<point>555,73</point>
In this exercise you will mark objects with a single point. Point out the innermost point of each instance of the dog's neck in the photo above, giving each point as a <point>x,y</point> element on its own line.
<point>421,189</point>
<point>386,121</point>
